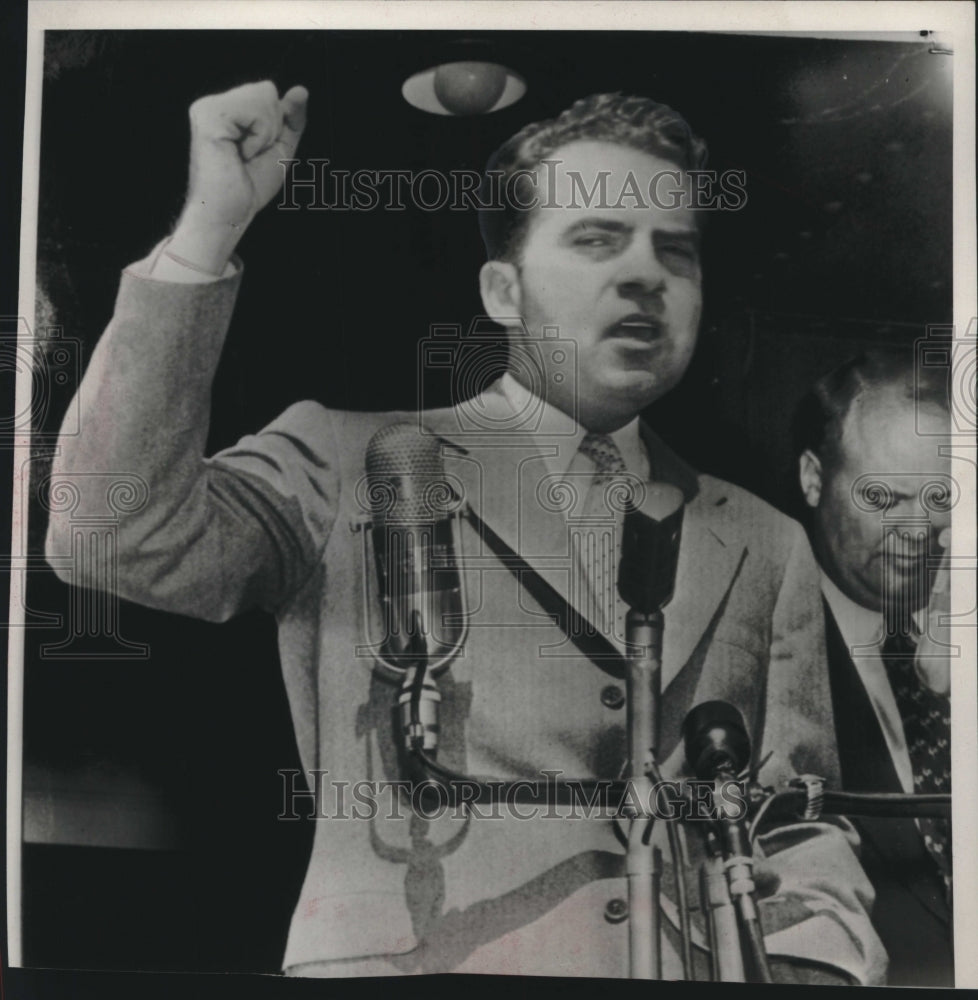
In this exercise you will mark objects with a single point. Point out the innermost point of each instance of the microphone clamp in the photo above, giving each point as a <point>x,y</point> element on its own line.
<point>418,706</point>
<point>814,787</point>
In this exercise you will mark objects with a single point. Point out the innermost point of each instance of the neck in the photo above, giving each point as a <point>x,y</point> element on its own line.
<point>597,419</point>
<point>893,606</point>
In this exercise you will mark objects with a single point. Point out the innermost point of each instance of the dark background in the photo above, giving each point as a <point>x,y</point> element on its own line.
<point>845,241</point>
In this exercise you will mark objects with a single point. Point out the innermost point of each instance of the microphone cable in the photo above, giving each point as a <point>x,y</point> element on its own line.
<point>796,803</point>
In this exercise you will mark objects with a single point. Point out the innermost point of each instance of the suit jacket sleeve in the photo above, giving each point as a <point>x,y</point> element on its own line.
<point>199,536</point>
<point>798,720</point>
<point>816,897</point>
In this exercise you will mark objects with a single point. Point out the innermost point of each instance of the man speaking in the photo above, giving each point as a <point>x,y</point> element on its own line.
<point>605,294</point>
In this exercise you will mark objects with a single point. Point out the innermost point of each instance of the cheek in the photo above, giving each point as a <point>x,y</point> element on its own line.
<point>939,519</point>
<point>687,295</point>
<point>861,532</point>
<point>843,523</point>
<point>555,274</point>
<point>554,292</point>
<point>687,329</point>
<point>686,308</point>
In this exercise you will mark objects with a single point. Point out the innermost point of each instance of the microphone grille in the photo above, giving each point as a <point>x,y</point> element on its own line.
<point>406,477</point>
<point>401,448</point>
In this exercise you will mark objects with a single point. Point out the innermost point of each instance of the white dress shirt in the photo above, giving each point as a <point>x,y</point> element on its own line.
<point>559,435</point>
<point>862,631</point>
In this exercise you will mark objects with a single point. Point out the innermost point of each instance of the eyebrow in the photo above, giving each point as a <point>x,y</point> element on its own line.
<point>613,226</point>
<point>607,225</point>
<point>900,495</point>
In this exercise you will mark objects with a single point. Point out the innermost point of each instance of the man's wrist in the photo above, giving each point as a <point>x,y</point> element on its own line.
<point>164,264</point>
<point>203,246</point>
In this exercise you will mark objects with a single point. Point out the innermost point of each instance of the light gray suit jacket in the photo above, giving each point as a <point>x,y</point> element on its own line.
<point>267,522</point>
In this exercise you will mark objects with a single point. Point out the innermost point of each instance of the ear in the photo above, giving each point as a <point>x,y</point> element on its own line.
<point>502,298</point>
<point>810,477</point>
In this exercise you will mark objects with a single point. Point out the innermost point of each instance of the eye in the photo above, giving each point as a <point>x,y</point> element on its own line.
<point>682,248</point>
<point>938,496</point>
<point>681,251</point>
<point>591,240</point>
<point>875,496</point>
<point>597,240</point>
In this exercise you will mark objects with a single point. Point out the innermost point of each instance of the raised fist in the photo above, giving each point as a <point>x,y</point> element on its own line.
<point>237,140</point>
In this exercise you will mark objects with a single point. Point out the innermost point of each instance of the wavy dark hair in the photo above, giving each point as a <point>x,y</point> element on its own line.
<point>638,122</point>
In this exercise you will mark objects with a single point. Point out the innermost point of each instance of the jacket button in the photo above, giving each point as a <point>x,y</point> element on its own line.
<point>615,911</point>
<point>612,696</point>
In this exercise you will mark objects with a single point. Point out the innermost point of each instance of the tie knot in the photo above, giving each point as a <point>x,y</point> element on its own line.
<point>900,639</point>
<point>603,451</point>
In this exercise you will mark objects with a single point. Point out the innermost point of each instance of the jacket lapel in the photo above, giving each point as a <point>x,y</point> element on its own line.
<point>710,555</point>
<point>508,484</point>
<point>866,765</point>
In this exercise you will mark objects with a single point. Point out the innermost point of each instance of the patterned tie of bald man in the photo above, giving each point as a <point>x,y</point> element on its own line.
<point>926,719</point>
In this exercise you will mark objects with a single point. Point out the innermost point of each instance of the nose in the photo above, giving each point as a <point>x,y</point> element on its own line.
<point>641,277</point>
<point>917,531</point>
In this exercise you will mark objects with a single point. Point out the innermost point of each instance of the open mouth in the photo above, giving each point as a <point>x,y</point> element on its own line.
<point>647,329</point>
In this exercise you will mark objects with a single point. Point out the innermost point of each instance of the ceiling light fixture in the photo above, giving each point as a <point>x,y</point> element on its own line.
<point>465,87</point>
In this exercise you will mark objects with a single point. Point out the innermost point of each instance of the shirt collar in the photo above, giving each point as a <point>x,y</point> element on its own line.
<point>559,435</point>
<point>859,626</point>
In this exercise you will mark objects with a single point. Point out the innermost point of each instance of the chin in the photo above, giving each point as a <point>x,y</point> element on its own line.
<point>641,387</point>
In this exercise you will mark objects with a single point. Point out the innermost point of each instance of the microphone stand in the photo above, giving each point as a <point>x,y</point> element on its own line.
<point>738,864</point>
<point>717,749</point>
<point>727,959</point>
<point>651,531</point>
<point>643,680</point>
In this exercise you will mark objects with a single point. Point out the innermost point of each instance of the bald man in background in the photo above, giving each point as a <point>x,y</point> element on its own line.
<point>879,492</point>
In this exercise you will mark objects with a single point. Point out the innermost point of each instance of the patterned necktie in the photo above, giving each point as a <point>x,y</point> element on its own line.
<point>596,536</point>
<point>927,727</point>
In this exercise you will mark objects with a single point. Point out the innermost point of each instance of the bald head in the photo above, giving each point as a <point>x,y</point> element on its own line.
<point>873,474</point>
